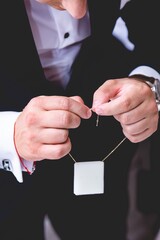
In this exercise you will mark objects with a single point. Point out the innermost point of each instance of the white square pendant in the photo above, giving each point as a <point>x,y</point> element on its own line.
<point>89,178</point>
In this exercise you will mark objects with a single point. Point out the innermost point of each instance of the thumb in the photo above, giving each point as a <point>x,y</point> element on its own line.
<point>106,92</point>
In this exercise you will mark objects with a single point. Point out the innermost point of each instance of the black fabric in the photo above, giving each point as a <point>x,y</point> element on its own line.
<point>148,192</point>
<point>21,211</point>
<point>148,181</point>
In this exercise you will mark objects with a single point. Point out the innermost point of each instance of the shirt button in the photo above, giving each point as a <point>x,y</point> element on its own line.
<point>66,35</point>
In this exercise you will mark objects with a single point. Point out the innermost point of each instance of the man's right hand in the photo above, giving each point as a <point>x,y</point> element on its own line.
<point>42,129</point>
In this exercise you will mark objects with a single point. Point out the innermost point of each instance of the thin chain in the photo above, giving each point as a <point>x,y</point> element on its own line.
<point>105,156</point>
<point>72,157</point>
<point>97,122</point>
<point>114,149</point>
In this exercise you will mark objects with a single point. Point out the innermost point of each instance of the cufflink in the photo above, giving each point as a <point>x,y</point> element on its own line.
<point>6,164</point>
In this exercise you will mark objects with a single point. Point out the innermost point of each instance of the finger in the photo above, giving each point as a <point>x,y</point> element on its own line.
<point>104,93</point>
<point>141,126</point>
<point>49,103</point>
<point>132,116</point>
<point>53,152</point>
<point>117,106</point>
<point>143,111</point>
<point>135,138</point>
<point>59,119</point>
<point>119,96</point>
<point>136,128</point>
<point>51,136</point>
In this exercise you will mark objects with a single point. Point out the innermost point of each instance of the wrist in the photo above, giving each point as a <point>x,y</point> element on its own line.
<point>153,83</point>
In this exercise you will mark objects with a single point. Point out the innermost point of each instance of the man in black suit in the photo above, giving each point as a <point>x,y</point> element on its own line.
<point>60,62</point>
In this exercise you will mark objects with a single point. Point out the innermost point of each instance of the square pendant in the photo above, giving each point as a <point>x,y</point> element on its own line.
<point>88,178</point>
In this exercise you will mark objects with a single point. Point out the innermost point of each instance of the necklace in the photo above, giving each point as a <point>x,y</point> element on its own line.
<point>107,154</point>
<point>89,176</point>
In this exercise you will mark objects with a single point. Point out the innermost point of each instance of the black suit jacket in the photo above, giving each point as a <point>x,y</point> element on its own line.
<point>50,188</point>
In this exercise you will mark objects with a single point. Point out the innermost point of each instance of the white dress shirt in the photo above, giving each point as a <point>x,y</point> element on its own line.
<point>58,39</point>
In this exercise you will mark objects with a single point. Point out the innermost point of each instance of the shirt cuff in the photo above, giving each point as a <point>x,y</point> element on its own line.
<point>146,71</point>
<point>9,159</point>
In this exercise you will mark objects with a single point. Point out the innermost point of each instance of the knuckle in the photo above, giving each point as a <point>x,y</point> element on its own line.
<point>126,103</point>
<point>31,118</point>
<point>64,135</point>
<point>124,119</point>
<point>65,119</point>
<point>60,152</point>
<point>62,149</point>
<point>36,101</point>
<point>64,103</point>
<point>69,120</point>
